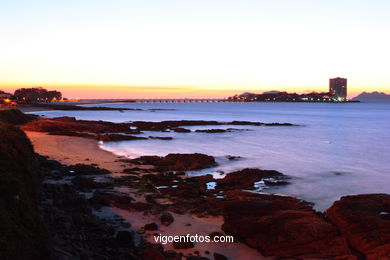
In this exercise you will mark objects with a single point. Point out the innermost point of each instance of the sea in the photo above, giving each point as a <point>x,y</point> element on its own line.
<point>336,149</point>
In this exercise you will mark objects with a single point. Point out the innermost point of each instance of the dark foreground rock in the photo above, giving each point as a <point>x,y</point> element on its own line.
<point>365,221</point>
<point>166,219</point>
<point>15,117</point>
<point>23,234</point>
<point>76,231</point>
<point>283,227</point>
<point>44,219</point>
<point>183,244</point>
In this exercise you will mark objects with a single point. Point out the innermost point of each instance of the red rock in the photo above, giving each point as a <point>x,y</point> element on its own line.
<point>183,244</point>
<point>118,137</point>
<point>211,131</point>
<point>70,124</point>
<point>72,133</point>
<point>151,226</point>
<point>152,254</point>
<point>186,162</point>
<point>365,221</point>
<point>148,160</point>
<point>165,125</point>
<point>219,257</point>
<point>172,255</point>
<point>202,179</point>
<point>181,130</point>
<point>161,137</point>
<point>166,219</point>
<point>282,227</point>
<point>245,179</point>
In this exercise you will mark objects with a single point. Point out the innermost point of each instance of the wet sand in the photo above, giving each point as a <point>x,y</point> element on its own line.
<point>73,150</point>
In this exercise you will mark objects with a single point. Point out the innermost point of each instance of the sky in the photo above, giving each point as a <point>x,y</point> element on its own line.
<point>193,48</point>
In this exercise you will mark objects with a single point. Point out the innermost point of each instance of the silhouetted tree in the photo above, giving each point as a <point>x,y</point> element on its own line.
<point>38,94</point>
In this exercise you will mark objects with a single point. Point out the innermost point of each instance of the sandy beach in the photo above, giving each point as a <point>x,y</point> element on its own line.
<point>74,150</point>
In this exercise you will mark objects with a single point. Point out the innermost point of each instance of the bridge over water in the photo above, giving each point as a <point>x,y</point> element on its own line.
<point>179,100</point>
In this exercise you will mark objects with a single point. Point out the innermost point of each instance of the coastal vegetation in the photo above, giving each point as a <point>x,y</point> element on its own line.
<point>39,94</point>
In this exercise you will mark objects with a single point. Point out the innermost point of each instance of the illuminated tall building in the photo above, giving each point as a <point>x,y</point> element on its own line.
<point>338,88</point>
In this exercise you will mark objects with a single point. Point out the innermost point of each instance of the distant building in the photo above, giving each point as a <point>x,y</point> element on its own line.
<point>338,88</point>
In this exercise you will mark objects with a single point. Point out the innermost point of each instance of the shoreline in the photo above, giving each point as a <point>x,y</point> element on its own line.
<point>66,149</point>
<point>142,190</point>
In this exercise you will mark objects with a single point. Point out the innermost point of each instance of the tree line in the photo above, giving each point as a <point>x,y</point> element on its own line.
<point>38,94</point>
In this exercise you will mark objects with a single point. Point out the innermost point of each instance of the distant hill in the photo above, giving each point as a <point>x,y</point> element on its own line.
<point>272,92</point>
<point>250,94</point>
<point>373,96</point>
<point>246,94</point>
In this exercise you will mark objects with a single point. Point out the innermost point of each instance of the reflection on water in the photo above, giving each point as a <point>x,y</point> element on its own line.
<point>338,149</point>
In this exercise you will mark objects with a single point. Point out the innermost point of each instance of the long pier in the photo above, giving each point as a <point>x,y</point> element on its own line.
<point>180,100</point>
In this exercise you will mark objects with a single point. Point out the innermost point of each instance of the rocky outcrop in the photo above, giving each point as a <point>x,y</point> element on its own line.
<point>178,162</point>
<point>186,162</point>
<point>181,130</point>
<point>183,243</point>
<point>77,233</point>
<point>23,234</point>
<point>118,137</point>
<point>365,221</point>
<point>15,117</point>
<point>85,126</point>
<point>211,131</point>
<point>247,179</point>
<point>161,137</point>
<point>167,125</point>
<point>50,219</point>
<point>151,226</point>
<point>166,219</point>
<point>259,123</point>
<point>108,131</point>
<point>172,125</point>
<point>61,124</point>
<point>283,227</point>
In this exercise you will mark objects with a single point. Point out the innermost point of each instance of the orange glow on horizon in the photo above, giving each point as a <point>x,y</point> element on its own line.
<point>92,91</point>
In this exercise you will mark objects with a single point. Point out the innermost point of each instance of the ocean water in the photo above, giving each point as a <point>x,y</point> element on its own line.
<point>337,149</point>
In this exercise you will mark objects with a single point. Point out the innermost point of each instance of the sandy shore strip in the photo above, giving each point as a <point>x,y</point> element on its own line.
<point>73,150</point>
